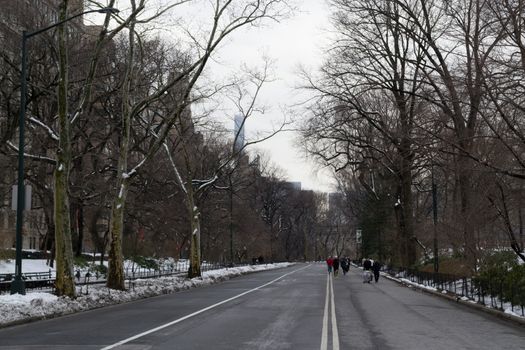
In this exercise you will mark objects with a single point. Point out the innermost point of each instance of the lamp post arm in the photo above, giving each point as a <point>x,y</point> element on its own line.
<point>36,32</point>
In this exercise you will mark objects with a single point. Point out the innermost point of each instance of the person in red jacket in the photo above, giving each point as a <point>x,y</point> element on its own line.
<point>330,263</point>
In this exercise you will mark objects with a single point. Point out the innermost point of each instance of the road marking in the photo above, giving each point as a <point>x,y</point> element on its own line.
<point>335,333</point>
<point>324,336</point>
<point>330,300</point>
<point>153,330</point>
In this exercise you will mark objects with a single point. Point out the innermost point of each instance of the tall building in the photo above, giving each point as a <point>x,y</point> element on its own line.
<point>239,132</point>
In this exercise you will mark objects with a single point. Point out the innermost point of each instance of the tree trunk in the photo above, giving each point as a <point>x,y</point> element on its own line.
<point>79,217</point>
<point>63,247</point>
<point>469,240</point>
<point>520,218</point>
<point>64,283</point>
<point>407,210</point>
<point>195,251</point>
<point>116,259</point>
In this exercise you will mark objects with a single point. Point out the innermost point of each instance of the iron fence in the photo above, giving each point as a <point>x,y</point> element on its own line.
<point>489,291</point>
<point>46,280</point>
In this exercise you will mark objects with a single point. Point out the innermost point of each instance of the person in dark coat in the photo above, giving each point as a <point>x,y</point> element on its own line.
<point>345,265</point>
<point>376,267</point>
<point>367,275</point>
<point>336,266</point>
<point>367,264</point>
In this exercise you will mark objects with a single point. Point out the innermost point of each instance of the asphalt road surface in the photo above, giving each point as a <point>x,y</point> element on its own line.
<point>298,307</point>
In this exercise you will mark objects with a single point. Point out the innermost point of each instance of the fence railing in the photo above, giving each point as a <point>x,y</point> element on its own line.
<point>33,280</point>
<point>46,280</point>
<point>493,292</point>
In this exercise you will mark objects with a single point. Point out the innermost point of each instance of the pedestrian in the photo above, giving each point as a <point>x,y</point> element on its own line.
<point>330,264</point>
<point>336,266</point>
<point>376,267</point>
<point>367,275</point>
<point>367,264</point>
<point>345,265</point>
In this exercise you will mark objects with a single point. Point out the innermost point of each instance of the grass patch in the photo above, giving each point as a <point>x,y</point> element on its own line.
<point>7,254</point>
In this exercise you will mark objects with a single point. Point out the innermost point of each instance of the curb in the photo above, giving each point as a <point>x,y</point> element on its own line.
<point>468,303</point>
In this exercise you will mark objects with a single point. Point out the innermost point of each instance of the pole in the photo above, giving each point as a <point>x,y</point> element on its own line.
<point>434,210</point>
<point>231,221</point>
<point>18,285</point>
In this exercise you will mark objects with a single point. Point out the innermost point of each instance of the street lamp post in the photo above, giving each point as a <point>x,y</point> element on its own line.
<point>435,217</point>
<point>18,285</point>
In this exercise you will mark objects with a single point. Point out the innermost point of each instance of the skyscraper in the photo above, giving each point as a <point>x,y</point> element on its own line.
<point>238,132</point>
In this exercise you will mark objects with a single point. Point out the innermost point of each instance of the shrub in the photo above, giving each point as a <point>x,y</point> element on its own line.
<point>501,276</point>
<point>514,288</point>
<point>147,263</point>
<point>99,270</point>
<point>80,261</point>
<point>7,254</point>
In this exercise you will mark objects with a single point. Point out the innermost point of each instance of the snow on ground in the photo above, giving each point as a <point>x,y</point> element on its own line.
<point>40,265</point>
<point>16,308</point>
<point>28,265</point>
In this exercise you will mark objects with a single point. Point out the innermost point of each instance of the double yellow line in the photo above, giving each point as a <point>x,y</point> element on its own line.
<point>329,300</point>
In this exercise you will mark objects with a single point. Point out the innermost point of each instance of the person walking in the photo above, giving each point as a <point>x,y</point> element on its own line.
<point>367,275</point>
<point>336,266</point>
<point>330,264</point>
<point>345,265</point>
<point>376,267</point>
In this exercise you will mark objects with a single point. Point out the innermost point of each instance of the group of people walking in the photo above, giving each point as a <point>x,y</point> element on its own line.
<point>370,269</point>
<point>333,264</point>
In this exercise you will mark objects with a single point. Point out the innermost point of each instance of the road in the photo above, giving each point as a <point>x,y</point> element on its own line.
<point>291,308</point>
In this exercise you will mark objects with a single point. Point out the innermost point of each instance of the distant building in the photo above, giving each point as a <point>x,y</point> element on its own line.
<point>294,185</point>
<point>238,132</point>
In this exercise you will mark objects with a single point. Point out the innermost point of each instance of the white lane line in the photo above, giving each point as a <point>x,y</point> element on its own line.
<point>335,333</point>
<point>153,330</point>
<point>324,336</point>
